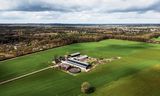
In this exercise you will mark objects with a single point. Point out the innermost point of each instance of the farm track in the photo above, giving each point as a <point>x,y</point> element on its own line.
<point>25,75</point>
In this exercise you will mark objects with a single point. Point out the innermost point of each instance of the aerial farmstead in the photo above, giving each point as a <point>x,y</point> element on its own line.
<point>76,63</point>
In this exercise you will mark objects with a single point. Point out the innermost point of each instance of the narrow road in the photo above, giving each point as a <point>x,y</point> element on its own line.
<point>22,76</point>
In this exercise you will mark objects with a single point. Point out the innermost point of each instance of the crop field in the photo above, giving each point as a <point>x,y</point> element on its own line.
<point>136,74</point>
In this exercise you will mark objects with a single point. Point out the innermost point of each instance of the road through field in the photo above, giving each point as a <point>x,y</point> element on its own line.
<point>22,76</point>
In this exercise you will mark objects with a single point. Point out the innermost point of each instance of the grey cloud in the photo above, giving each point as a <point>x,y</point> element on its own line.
<point>153,7</point>
<point>77,11</point>
<point>43,6</point>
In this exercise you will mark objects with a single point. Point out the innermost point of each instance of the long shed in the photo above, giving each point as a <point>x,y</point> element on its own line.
<point>82,65</point>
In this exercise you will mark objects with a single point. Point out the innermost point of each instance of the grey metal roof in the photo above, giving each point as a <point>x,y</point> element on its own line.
<point>78,63</point>
<point>74,54</point>
<point>82,57</point>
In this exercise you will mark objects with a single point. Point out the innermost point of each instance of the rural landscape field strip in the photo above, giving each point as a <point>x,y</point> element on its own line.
<point>144,82</point>
<point>22,76</point>
<point>138,61</point>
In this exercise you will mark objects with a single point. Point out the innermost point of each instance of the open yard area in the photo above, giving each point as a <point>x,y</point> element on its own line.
<point>136,74</point>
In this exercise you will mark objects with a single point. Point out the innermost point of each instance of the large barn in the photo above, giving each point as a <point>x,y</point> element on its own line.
<point>74,60</point>
<point>75,63</point>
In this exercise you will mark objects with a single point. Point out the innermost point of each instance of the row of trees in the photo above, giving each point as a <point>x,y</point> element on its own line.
<point>44,38</point>
<point>42,43</point>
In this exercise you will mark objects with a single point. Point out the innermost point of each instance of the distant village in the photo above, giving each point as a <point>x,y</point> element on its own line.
<point>75,63</point>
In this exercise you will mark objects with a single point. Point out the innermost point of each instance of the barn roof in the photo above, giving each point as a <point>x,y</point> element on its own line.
<point>78,63</point>
<point>75,54</point>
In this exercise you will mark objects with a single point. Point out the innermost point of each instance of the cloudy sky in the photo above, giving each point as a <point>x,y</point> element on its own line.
<point>80,11</point>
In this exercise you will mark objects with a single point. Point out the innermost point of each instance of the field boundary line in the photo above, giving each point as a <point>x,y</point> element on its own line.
<point>25,75</point>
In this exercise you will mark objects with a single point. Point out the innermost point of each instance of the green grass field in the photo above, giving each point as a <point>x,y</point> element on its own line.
<point>157,39</point>
<point>136,74</point>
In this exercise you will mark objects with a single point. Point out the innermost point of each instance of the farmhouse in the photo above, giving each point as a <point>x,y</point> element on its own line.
<point>64,66</point>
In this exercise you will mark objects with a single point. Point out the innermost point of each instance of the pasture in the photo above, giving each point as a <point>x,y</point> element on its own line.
<point>136,74</point>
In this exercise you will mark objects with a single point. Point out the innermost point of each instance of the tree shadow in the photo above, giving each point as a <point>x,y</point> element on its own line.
<point>91,90</point>
<point>3,72</point>
<point>130,46</point>
<point>125,47</point>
